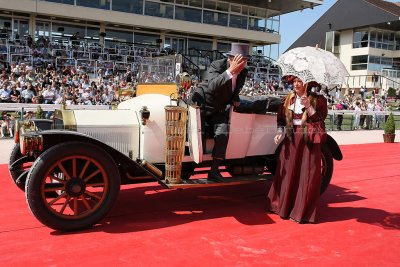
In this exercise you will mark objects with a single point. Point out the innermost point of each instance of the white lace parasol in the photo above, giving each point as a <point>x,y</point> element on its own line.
<point>313,64</point>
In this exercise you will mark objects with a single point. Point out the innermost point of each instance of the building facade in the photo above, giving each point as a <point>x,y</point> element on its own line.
<point>365,35</point>
<point>180,25</point>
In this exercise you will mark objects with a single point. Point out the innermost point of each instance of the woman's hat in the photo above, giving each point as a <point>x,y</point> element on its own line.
<point>239,48</point>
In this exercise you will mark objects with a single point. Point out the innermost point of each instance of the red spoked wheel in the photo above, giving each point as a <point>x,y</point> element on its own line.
<point>72,186</point>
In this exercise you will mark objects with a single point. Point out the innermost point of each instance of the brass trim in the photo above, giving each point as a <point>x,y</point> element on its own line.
<point>69,120</point>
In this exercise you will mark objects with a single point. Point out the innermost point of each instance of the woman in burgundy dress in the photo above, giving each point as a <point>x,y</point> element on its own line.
<point>296,188</point>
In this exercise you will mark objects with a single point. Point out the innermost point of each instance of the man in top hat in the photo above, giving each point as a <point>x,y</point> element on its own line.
<point>225,78</point>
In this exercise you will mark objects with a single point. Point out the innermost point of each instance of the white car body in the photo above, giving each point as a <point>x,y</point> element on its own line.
<point>122,129</point>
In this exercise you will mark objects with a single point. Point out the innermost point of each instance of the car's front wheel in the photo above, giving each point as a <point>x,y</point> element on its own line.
<point>72,186</point>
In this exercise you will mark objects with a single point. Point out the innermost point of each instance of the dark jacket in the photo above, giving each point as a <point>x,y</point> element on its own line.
<point>215,93</point>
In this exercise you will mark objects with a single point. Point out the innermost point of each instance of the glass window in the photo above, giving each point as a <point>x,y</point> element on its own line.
<point>359,62</point>
<point>21,29</point>
<point>182,2</point>
<point>222,6</point>
<point>92,33</point>
<point>210,4</point>
<point>188,14</point>
<point>360,39</point>
<point>223,47</point>
<point>372,36</point>
<point>194,3</point>
<point>245,10</point>
<point>329,37</point>
<point>256,12</point>
<point>200,44</point>
<point>102,4</point>
<point>144,38</point>
<point>159,10</point>
<point>215,18</point>
<point>359,59</point>
<point>256,24</point>
<point>69,2</point>
<point>359,67</point>
<point>275,24</point>
<point>5,27</point>
<point>236,8</point>
<point>238,22</point>
<point>119,36</point>
<point>128,6</point>
<point>68,30</point>
<point>42,29</point>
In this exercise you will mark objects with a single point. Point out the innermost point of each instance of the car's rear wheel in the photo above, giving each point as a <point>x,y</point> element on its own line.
<point>72,186</point>
<point>326,167</point>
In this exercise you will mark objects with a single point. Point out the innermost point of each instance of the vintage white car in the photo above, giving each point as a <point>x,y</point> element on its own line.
<point>72,173</point>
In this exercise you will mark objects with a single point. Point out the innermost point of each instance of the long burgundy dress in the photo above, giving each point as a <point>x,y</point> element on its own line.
<point>296,188</point>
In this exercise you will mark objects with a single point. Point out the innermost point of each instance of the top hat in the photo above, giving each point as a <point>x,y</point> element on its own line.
<point>239,48</point>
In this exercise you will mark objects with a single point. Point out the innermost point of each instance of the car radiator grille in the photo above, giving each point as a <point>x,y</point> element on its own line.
<point>118,138</point>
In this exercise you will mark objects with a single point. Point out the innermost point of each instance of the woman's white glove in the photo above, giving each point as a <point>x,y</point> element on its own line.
<point>277,138</point>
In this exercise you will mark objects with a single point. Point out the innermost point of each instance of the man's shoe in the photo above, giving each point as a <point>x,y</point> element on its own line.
<point>215,176</point>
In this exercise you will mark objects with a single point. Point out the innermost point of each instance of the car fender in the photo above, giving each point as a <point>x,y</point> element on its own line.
<point>334,148</point>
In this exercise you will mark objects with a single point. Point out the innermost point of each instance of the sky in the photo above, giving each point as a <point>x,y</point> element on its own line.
<point>294,24</point>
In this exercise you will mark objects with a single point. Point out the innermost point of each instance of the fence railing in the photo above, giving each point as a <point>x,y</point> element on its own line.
<point>352,120</point>
<point>49,107</point>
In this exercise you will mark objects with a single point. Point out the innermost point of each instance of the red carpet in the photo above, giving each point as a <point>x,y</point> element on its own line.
<point>226,226</point>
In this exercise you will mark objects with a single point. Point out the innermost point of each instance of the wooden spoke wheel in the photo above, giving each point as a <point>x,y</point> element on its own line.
<point>72,186</point>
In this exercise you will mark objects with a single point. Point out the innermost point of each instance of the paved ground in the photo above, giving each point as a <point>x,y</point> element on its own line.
<point>341,137</point>
<point>359,223</point>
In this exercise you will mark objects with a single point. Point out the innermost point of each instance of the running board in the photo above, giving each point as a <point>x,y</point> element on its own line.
<point>204,182</point>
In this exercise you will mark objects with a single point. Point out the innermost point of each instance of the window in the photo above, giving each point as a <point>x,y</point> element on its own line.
<point>236,8</point>
<point>188,14</point>
<point>119,36</point>
<point>360,39</point>
<point>128,6</point>
<point>256,24</point>
<point>144,38</point>
<point>194,3</point>
<point>359,62</point>
<point>21,28</point>
<point>238,22</point>
<point>377,63</point>
<point>200,44</point>
<point>215,18</point>
<point>102,4</point>
<point>92,33</point>
<point>159,10</point>
<point>257,12</point>
<point>68,2</point>
<point>273,24</point>
<point>220,6</point>
<point>223,47</point>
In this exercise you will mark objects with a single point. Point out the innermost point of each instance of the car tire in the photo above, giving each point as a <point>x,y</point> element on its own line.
<point>86,182</point>
<point>326,168</point>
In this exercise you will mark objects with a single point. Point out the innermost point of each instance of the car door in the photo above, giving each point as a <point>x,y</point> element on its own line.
<point>194,134</point>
